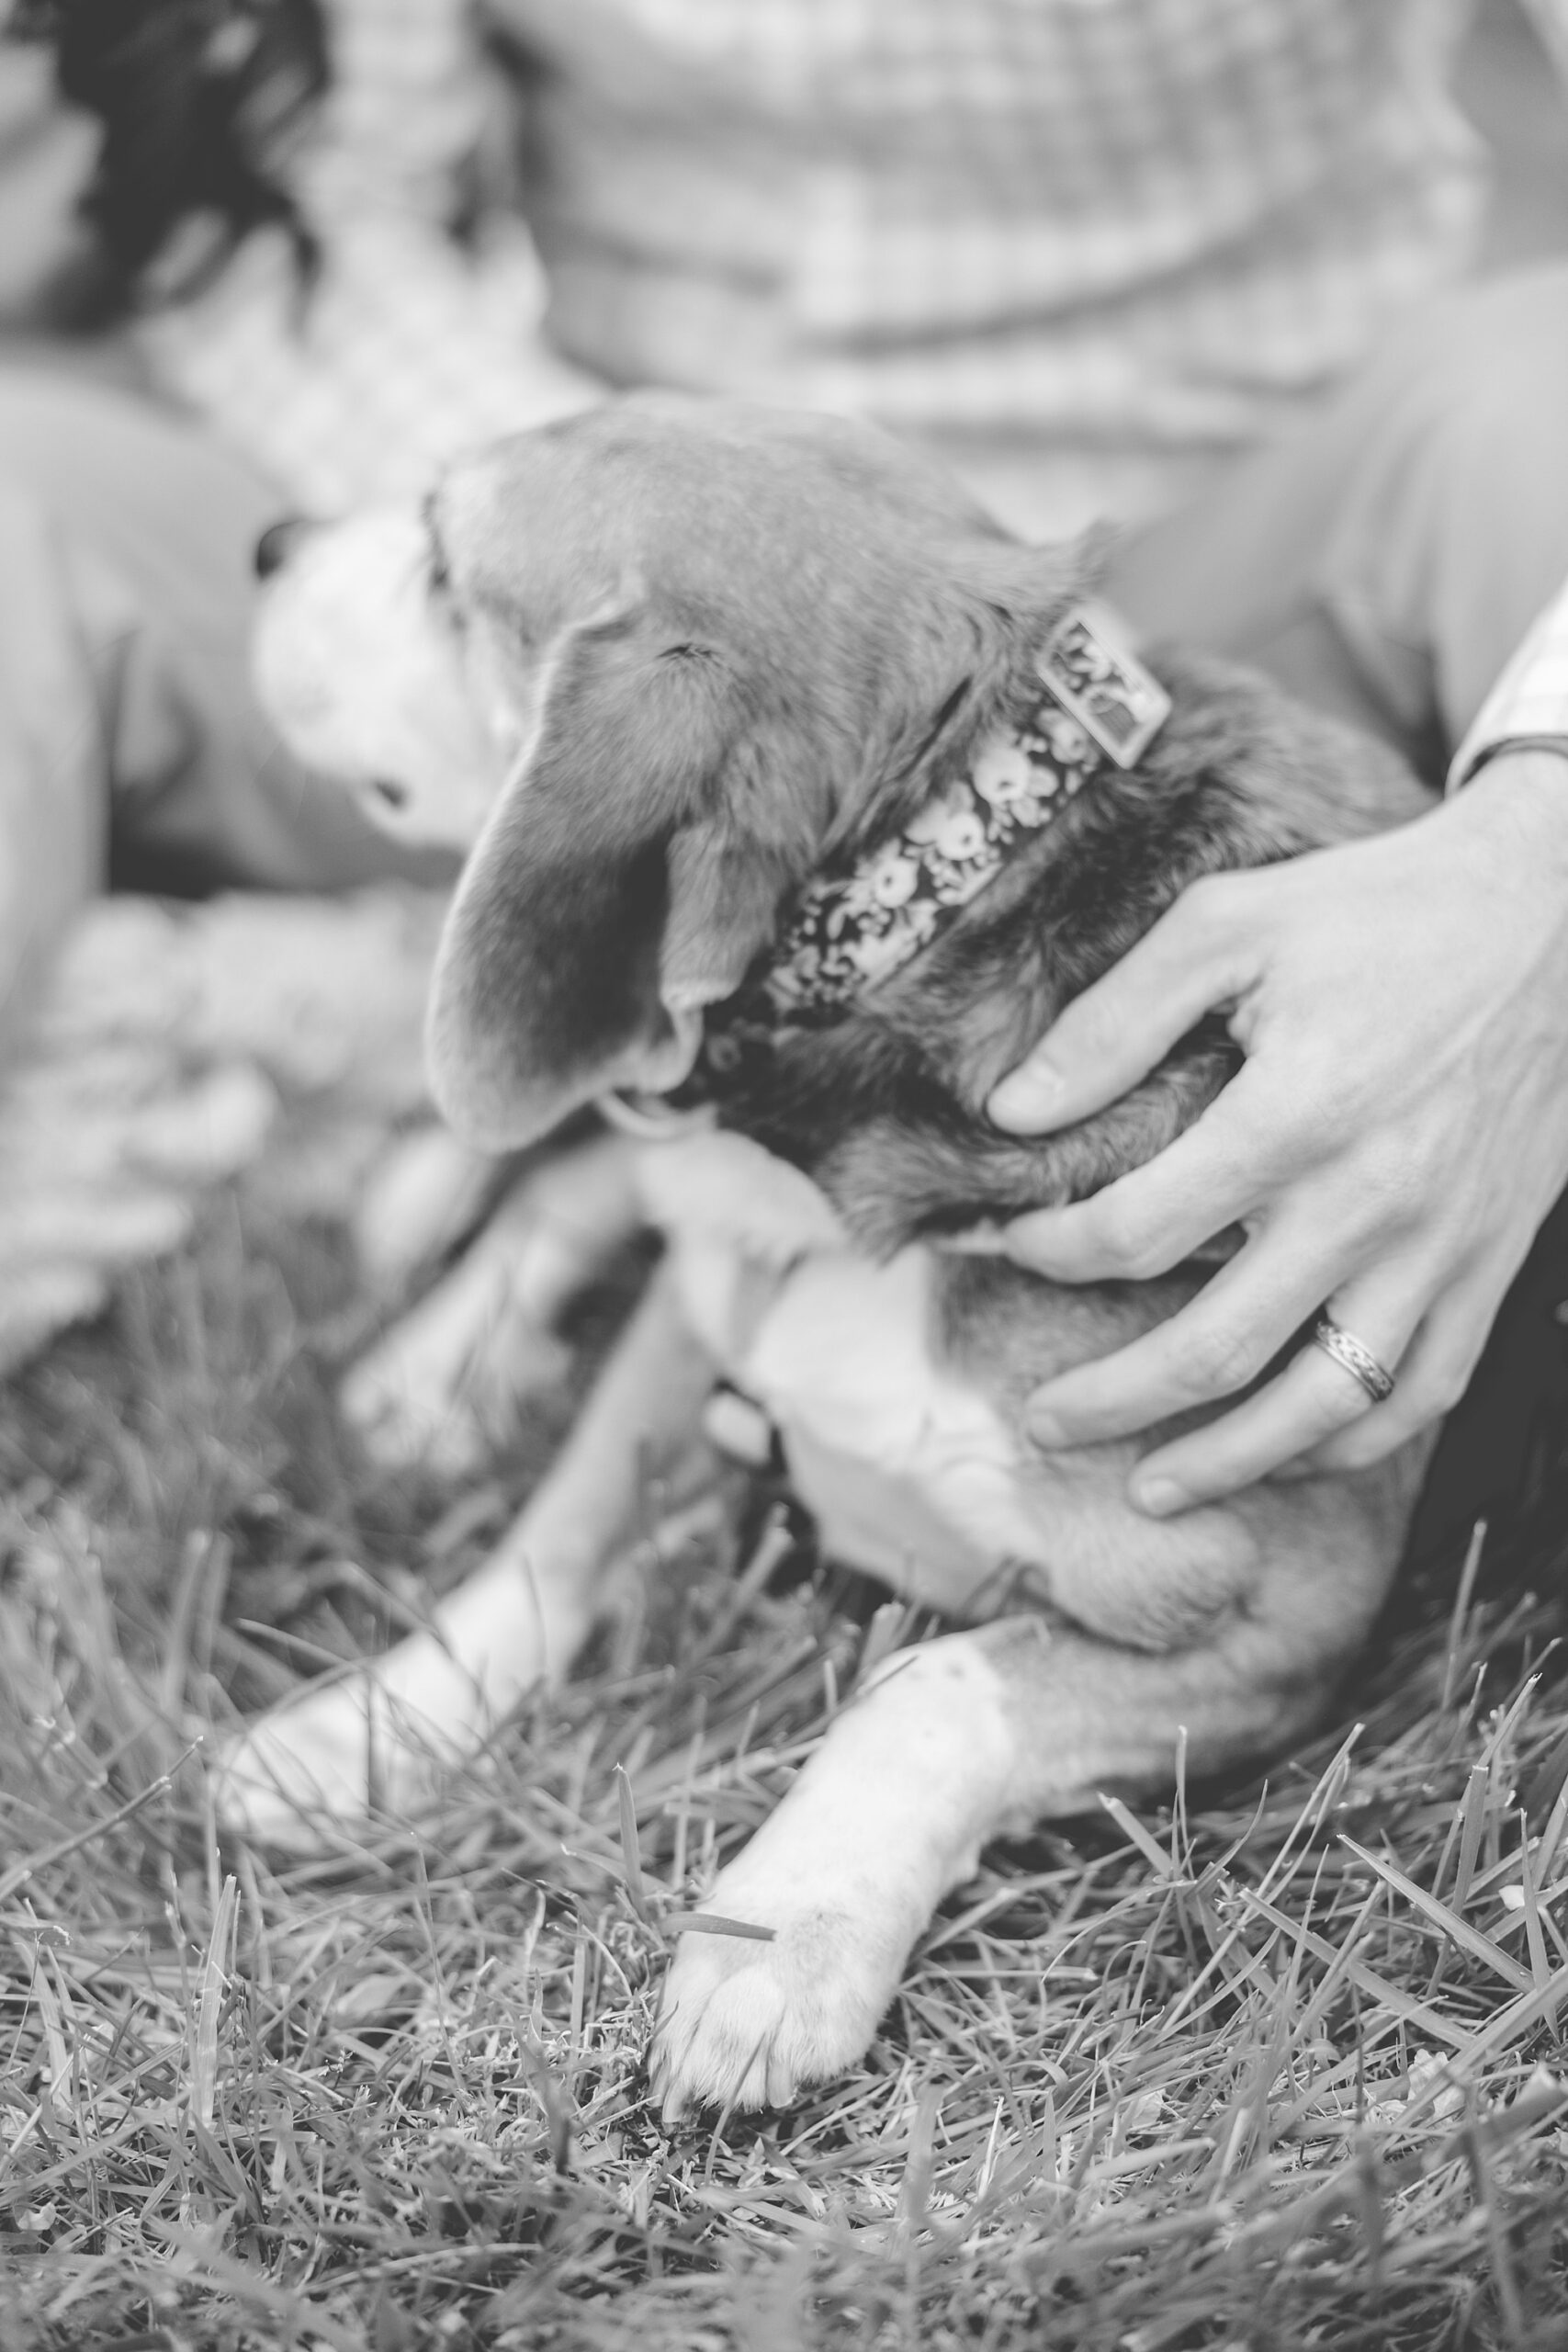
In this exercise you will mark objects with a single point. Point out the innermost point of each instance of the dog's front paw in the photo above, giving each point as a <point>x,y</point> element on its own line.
<point>746,2023</point>
<point>324,1764</point>
<point>887,1815</point>
<point>433,1393</point>
<point>380,1739</point>
<point>296,1771</point>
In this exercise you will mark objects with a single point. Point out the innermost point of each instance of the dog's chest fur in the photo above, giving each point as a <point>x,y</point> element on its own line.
<point>896,1386</point>
<point>911,1471</point>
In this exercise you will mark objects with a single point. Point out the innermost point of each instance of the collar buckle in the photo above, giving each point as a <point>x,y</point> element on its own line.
<point>1099,680</point>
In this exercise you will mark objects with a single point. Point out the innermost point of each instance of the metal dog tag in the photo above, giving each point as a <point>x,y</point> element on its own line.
<point>1104,685</point>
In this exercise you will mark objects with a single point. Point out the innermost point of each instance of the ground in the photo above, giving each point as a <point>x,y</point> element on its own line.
<point>1277,2066</point>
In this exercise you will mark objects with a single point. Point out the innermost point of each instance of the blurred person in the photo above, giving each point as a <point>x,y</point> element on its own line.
<point>131,750</point>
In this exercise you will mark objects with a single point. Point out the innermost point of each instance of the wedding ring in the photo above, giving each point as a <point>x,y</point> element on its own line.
<point>1353,1357</point>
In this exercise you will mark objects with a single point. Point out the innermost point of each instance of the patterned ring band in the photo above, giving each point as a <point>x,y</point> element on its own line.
<point>1353,1357</point>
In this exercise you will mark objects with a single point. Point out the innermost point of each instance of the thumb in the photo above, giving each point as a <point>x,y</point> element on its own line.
<point>1195,959</point>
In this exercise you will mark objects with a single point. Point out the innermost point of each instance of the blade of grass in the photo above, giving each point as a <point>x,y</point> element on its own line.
<point>1459,1931</point>
<point>214,1970</point>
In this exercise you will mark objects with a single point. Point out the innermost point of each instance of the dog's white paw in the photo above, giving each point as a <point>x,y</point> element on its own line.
<point>379,1738</point>
<point>445,1390</point>
<point>327,1762</point>
<point>746,2023</point>
<point>888,1815</point>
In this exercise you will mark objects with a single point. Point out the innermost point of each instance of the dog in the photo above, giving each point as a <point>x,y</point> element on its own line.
<point>727,708</point>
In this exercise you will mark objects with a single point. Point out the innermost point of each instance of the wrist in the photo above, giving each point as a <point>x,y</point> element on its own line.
<point>1519,796</point>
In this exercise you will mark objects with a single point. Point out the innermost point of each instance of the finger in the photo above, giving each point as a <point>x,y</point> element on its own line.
<point>1312,1399</point>
<point>1107,1039</point>
<point>1218,1344</point>
<point>1433,1377</point>
<point>1159,1214</point>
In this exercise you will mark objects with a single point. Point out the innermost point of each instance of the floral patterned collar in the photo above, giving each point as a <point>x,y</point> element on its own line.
<point>849,932</point>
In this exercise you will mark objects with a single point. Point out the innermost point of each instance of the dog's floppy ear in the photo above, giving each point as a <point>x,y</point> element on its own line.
<point>607,900</point>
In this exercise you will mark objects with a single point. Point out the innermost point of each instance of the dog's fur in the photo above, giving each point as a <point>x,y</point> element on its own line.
<point>686,653</point>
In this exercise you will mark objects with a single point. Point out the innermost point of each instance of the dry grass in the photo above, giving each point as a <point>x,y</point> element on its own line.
<point>1273,2067</point>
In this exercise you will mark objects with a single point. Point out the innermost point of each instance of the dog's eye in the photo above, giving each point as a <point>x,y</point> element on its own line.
<point>390,795</point>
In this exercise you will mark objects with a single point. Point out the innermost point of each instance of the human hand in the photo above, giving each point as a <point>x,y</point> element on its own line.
<point>106,1145</point>
<point>1390,1147</point>
<point>162,1043</point>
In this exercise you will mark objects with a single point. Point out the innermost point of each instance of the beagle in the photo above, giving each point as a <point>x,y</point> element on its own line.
<point>798,796</point>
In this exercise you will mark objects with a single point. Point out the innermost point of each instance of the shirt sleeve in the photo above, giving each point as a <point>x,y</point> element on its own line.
<point>1530,698</point>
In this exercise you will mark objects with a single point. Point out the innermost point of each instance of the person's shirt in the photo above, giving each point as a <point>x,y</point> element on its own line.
<point>1529,705</point>
<point>1154,220</point>
<point>1136,228</point>
<point>1152,227</point>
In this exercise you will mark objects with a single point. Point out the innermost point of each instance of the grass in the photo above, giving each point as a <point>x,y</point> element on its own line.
<point>1279,2065</point>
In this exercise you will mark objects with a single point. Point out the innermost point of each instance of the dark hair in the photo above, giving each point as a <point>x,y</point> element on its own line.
<point>201,103</point>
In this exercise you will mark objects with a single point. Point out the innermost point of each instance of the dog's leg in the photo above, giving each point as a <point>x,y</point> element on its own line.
<point>418,1203</point>
<point>445,1383</point>
<point>952,1744</point>
<point>375,1739</point>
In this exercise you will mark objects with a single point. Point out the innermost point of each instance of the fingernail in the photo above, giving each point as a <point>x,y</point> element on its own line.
<point>1027,1095</point>
<point>1157,1498</point>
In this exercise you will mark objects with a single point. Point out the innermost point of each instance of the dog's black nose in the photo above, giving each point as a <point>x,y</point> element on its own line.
<point>276,545</point>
